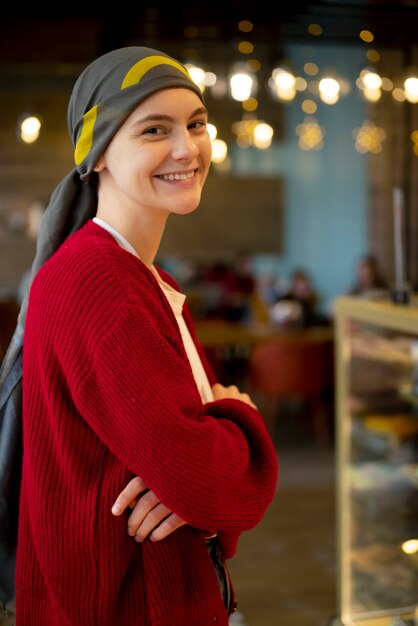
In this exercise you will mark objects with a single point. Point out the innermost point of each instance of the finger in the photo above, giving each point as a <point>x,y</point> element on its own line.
<point>246,398</point>
<point>232,391</point>
<point>217,390</point>
<point>151,521</point>
<point>128,495</point>
<point>168,526</point>
<point>145,504</point>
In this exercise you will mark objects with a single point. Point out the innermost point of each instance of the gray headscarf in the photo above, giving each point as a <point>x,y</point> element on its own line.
<point>104,95</point>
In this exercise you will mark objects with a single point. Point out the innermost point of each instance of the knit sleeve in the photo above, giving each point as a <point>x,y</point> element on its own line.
<point>214,465</point>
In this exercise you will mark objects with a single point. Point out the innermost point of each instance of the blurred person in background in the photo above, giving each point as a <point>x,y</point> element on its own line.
<point>369,281</point>
<point>298,305</point>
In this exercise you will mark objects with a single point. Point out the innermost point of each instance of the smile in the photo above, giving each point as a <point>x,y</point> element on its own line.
<point>185,176</point>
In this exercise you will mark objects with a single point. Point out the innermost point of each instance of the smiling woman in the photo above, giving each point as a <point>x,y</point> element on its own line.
<point>140,470</point>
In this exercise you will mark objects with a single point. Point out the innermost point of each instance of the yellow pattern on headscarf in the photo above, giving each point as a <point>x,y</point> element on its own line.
<point>137,71</point>
<point>85,141</point>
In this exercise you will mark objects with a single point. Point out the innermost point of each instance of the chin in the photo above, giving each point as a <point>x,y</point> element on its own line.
<point>186,209</point>
<point>189,205</point>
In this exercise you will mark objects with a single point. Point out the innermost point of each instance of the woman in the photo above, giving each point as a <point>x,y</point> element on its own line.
<point>117,395</point>
<point>369,280</point>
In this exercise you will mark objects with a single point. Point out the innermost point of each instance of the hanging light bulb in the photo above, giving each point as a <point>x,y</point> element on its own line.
<point>219,147</point>
<point>212,131</point>
<point>29,127</point>
<point>253,132</point>
<point>219,151</point>
<point>197,75</point>
<point>329,90</point>
<point>283,84</point>
<point>262,135</point>
<point>370,83</point>
<point>283,79</point>
<point>411,89</point>
<point>372,95</point>
<point>371,80</point>
<point>410,546</point>
<point>241,85</point>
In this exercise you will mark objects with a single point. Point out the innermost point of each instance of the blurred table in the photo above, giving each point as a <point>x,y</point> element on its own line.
<point>220,334</point>
<point>229,345</point>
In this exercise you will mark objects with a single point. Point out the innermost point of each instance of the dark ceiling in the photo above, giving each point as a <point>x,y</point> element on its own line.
<point>394,22</point>
<point>208,27</point>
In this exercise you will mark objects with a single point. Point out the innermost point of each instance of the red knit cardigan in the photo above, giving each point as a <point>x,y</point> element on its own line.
<point>108,393</point>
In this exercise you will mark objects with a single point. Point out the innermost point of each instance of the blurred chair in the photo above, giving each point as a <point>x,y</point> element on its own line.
<point>9,310</point>
<point>300,366</point>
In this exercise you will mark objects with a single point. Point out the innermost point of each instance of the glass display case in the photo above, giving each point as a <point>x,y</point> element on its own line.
<point>377,451</point>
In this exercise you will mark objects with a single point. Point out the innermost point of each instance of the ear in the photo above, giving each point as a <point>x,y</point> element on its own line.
<point>99,165</point>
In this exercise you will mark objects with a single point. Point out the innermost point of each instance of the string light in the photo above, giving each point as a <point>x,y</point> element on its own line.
<point>219,151</point>
<point>410,546</point>
<point>284,85</point>
<point>253,132</point>
<point>311,135</point>
<point>329,90</point>
<point>29,127</point>
<point>411,89</point>
<point>262,135</point>
<point>369,138</point>
<point>241,85</point>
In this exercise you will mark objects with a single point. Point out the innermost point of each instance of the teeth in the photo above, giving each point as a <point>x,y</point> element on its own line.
<point>177,176</point>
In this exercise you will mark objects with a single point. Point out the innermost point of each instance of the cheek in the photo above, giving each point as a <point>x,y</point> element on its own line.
<point>134,164</point>
<point>146,160</point>
<point>210,149</point>
<point>206,150</point>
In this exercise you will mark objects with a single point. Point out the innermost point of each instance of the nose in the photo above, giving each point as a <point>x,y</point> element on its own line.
<point>184,145</point>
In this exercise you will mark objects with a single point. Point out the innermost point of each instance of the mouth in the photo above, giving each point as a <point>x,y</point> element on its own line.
<point>178,175</point>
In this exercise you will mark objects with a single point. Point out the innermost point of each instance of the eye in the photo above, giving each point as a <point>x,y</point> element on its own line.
<point>198,125</point>
<point>154,130</point>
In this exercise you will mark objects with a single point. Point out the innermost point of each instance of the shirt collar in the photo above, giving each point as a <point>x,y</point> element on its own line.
<point>124,243</point>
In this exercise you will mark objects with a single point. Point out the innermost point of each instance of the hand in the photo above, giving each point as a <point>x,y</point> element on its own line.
<point>220,393</point>
<point>149,516</point>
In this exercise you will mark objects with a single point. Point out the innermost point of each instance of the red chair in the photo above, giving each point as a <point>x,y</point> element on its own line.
<point>299,365</point>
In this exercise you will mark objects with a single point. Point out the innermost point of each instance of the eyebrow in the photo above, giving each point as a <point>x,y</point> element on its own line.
<point>158,117</point>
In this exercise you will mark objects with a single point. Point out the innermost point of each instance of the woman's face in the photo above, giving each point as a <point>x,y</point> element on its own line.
<point>365,275</point>
<point>159,158</point>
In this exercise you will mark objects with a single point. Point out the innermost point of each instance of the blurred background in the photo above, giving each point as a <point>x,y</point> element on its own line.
<point>308,152</point>
<point>313,107</point>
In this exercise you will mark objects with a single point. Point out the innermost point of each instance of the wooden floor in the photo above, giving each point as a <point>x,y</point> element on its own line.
<point>285,570</point>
